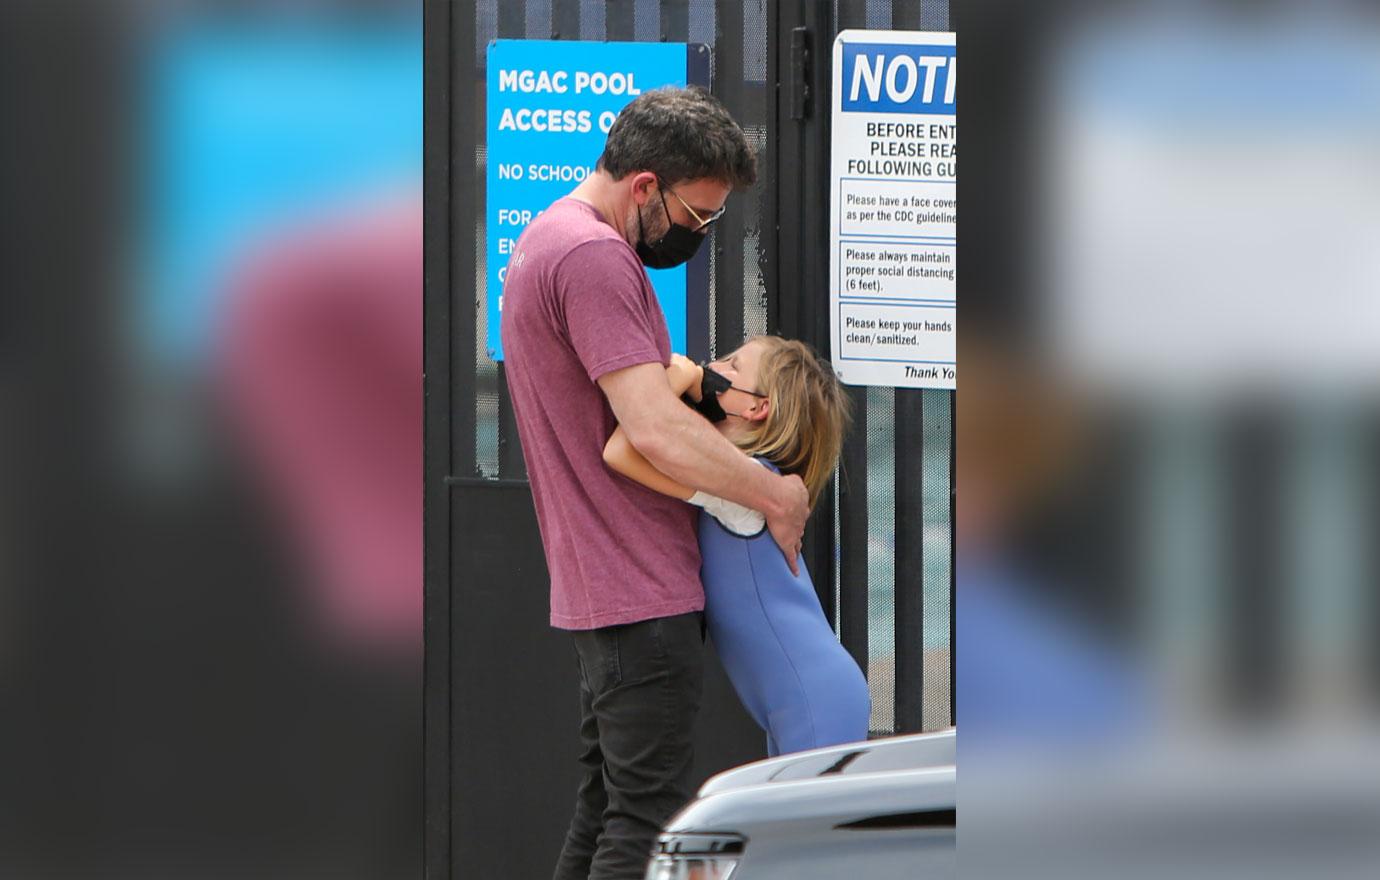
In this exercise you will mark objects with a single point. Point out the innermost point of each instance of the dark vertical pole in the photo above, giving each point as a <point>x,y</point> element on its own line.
<point>620,19</point>
<point>436,361</point>
<point>801,284</point>
<point>853,530</point>
<point>782,190</point>
<point>466,117</point>
<point>512,23</point>
<point>853,585</point>
<point>730,233</point>
<point>934,15</point>
<point>675,21</point>
<point>815,169</point>
<point>813,258</point>
<point>852,14</point>
<point>512,19</point>
<point>796,267</point>
<point>910,560</point>
<point>463,117</point>
<point>1255,448</point>
<point>565,19</point>
<point>697,72</point>
<point>907,15</point>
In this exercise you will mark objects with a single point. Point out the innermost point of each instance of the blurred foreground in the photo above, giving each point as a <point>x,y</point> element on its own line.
<point>210,623</point>
<point>1167,462</point>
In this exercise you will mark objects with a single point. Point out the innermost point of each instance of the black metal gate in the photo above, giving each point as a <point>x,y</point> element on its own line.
<point>501,708</point>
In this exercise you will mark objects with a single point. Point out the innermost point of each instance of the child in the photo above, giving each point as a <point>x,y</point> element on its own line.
<point>776,401</point>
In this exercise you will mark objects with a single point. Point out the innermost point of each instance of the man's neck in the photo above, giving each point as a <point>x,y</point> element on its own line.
<point>604,194</point>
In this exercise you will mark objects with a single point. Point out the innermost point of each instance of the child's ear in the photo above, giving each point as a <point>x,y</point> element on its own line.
<point>759,412</point>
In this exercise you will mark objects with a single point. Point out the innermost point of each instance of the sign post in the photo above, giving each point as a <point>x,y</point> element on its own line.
<point>551,104</point>
<point>893,213</point>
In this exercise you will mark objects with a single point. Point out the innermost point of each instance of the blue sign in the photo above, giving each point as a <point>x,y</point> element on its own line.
<point>899,78</point>
<point>550,106</point>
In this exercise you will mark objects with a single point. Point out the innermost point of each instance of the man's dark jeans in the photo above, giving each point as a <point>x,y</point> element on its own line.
<point>640,687</point>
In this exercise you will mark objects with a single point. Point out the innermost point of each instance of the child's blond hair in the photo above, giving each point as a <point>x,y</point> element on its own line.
<point>809,413</point>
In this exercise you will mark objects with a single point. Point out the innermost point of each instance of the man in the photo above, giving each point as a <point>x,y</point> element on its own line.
<point>586,345</point>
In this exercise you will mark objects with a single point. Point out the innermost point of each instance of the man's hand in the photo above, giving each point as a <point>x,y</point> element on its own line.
<point>787,522</point>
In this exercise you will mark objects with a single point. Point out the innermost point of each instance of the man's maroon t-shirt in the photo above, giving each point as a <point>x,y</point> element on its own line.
<point>577,304</point>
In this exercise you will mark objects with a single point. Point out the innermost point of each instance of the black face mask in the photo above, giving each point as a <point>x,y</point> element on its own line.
<point>712,384</point>
<point>677,246</point>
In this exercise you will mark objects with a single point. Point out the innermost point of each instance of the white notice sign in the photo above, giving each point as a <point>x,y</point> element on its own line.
<point>892,225</point>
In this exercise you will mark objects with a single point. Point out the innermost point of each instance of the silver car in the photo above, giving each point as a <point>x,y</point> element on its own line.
<point>876,810</point>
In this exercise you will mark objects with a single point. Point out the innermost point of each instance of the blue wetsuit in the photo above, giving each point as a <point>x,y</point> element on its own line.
<point>790,671</point>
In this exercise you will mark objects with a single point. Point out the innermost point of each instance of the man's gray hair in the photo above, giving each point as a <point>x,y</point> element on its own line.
<point>679,134</point>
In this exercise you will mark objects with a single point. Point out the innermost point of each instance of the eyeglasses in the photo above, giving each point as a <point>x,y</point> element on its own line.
<point>704,222</point>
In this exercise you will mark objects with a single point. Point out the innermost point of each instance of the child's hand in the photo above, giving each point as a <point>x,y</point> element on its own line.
<point>683,362</point>
<point>685,375</point>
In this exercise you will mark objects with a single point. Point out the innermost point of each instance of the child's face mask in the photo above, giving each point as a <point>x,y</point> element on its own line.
<point>712,385</point>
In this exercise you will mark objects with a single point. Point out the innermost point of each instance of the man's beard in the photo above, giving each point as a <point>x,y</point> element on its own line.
<point>654,223</point>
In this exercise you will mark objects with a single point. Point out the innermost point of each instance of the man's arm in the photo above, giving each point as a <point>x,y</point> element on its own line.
<point>622,457</point>
<point>681,444</point>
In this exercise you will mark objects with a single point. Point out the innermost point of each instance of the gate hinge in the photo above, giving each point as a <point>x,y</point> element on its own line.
<point>800,73</point>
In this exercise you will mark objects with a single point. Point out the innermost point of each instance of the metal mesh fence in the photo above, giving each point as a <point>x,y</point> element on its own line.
<point>936,490</point>
<point>737,33</point>
<point>881,557</point>
<point>929,637</point>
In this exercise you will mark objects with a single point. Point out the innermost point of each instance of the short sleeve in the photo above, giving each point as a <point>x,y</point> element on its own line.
<point>611,318</point>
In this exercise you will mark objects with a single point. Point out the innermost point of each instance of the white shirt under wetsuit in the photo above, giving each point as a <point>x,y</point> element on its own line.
<point>777,647</point>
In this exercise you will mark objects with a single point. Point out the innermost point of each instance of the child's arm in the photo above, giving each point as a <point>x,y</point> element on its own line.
<point>620,455</point>
<point>683,375</point>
